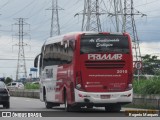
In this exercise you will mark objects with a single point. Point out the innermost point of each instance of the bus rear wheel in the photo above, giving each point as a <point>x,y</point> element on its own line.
<point>113,108</point>
<point>6,105</point>
<point>68,107</point>
<point>90,107</point>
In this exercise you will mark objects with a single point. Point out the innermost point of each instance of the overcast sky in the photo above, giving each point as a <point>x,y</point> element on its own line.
<point>39,19</point>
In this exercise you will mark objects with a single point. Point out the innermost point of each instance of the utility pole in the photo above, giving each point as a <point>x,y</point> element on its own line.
<point>91,16</point>
<point>21,63</point>
<point>55,26</point>
<point>130,27</point>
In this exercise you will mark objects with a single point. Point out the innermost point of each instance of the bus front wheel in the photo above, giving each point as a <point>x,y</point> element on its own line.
<point>47,104</point>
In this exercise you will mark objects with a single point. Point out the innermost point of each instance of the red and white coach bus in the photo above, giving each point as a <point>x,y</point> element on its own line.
<point>86,69</point>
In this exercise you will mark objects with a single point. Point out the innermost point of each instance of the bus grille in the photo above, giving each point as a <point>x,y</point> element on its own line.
<point>104,64</point>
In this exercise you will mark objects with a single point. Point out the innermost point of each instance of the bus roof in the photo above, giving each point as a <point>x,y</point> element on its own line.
<point>59,38</point>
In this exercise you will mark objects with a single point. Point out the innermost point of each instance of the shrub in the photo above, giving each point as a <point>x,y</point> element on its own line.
<point>31,86</point>
<point>147,86</point>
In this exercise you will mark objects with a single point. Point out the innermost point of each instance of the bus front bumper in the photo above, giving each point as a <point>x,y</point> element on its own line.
<point>103,97</point>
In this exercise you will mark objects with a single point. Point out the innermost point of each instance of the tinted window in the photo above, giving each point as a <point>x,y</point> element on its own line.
<point>2,85</point>
<point>13,84</point>
<point>104,43</point>
<point>57,54</point>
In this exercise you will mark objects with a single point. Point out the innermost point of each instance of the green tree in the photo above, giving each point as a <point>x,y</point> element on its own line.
<point>8,80</point>
<point>151,65</point>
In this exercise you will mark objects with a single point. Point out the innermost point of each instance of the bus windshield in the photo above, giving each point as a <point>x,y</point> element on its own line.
<point>104,43</point>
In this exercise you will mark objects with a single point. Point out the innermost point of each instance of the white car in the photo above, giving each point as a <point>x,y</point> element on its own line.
<point>35,83</point>
<point>15,85</point>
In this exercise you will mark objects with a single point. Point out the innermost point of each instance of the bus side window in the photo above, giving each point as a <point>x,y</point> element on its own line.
<point>72,44</point>
<point>49,73</point>
<point>70,51</point>
<point>58,54</point>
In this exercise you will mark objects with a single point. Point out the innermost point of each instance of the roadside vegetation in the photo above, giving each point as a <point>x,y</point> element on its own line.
<point>147,86</point>
<point>31,86</point>
<point>151,68</point>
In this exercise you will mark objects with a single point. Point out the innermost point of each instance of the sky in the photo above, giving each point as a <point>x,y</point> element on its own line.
<point>39,19</point>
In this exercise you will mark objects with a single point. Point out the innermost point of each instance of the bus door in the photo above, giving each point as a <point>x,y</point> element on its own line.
<point>49,81</point>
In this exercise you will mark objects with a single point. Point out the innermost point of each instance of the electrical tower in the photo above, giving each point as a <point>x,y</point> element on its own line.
<point>128,23</point>
<point>55,26</point>
<point>130,27</point>
<point>91,16</point>
<point>21,63</point>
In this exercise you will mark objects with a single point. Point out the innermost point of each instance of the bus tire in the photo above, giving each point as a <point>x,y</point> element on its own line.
<point>68,107</point>
<point>90,107</point>
<point>113,108</point>
<point>47,104</point>
<point>6,105</point>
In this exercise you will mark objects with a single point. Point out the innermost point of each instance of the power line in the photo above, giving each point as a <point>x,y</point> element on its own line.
<point>5,4</point>
<point>67,5</point>
<point>3,59</point>
<point>153,17</point>
<point>147,3</point>
<point>7,67</point>
<point>20,10</point>
<point>5,30</point>
<point>15,56</point>
<point>157,10</point>
<point>39,10</point>
<point>45,21</point>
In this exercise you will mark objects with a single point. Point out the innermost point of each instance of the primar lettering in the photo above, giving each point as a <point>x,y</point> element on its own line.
<point>104,57</point>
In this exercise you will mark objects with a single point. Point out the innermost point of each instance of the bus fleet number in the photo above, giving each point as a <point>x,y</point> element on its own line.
<point>121,71</point>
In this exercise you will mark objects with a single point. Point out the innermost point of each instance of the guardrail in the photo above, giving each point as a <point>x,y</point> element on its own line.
<point>145,101</point>
<point>25,93</point>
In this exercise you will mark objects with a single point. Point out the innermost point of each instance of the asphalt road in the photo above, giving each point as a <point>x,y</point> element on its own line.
<point>21,104</point>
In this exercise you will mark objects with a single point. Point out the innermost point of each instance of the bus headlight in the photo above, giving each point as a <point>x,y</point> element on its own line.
<point>78,86</point>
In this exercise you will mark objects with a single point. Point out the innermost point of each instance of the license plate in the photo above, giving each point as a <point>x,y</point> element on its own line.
<point>105,96</point>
